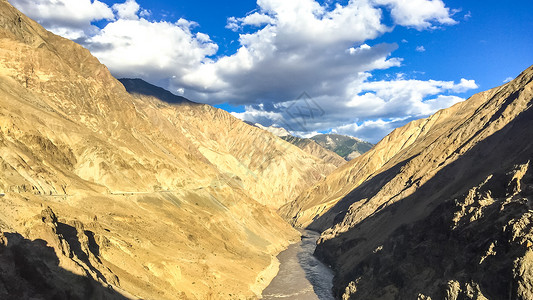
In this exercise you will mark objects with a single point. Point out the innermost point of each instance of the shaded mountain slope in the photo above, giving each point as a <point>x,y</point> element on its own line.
<point>140,197</point>
<point>440,208</point>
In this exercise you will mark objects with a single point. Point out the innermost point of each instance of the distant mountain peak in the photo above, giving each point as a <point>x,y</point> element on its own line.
<point>348,147</point>
<point>139,86</point>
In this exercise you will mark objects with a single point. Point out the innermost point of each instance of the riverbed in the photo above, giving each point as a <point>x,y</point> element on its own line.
<point>301,275</point>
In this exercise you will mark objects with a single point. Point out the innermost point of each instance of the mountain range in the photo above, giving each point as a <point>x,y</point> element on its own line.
<point>333,145</point>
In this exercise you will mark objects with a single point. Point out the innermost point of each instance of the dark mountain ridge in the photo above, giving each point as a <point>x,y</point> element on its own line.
<point>139,86</point>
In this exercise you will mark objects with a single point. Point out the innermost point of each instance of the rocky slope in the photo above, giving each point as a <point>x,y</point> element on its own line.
<point>345,146</point>
<point>439,209</point>
<point>107,195</point>
<point>271,170</point>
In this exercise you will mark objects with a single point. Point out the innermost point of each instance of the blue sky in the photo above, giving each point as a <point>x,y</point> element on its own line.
<point>368,65</point>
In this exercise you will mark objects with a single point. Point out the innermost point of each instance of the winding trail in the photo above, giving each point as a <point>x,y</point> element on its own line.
<point>301,275</point>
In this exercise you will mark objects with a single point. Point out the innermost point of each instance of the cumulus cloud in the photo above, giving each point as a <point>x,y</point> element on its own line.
<point>419,14</point>
<point>286,56</point>
<point>154,50</point>
<point>286,47</point>
<point>127,10</point>
<point>255,19</point>
<point>69,18</point>
<point>372,130</point>
<point>420,49</point>
<point>374,107</point>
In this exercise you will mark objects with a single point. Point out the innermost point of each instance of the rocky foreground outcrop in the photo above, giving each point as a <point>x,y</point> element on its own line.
<point>108,195</point>
<point>440,208</point>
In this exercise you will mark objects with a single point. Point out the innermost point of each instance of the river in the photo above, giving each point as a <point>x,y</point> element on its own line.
<point>301,275</point>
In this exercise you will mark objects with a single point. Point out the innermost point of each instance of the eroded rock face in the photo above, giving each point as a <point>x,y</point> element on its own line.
<point>61,264</point>
<point>477,246</point>
<point>431,208</point>
<point>152,199</point>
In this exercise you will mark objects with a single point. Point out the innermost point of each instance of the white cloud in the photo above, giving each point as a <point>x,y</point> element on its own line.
<point>156,50</point>
<point>374,108</point>
<point>507,79</point>
<point>420,49</point>
<point>465,85</point>
<point>145,13</point>
<point>69,18</point>
<point>233,24</point>
<point>419,14</point>
<point>256,19</point>
<point>127,10</point>
<point>286,56</point>
<point>371,130</point>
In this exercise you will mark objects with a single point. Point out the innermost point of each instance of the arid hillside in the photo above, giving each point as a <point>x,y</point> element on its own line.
<point>109,195</point>
<point>439,209</point>
<point>271,170</point>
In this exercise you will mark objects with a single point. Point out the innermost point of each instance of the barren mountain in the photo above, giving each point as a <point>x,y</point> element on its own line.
<point>109,195</point>
<point>271,170</point>
<point>439,209</point>
<point>345,146</point>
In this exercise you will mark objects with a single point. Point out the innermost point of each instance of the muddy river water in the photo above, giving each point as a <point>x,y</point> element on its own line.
<point>301,275</point>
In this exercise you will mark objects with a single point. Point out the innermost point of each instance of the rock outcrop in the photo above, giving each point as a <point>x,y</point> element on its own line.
<point>439,209</point>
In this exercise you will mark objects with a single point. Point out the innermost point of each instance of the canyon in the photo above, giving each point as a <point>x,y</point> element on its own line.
<point>118,189</point>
